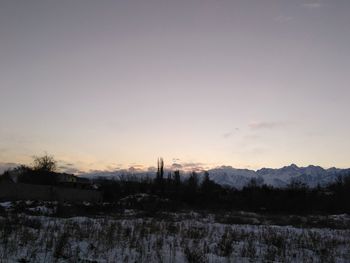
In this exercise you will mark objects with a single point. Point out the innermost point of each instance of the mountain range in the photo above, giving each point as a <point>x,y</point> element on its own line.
<point>281,177</point>
<point>238,178</point>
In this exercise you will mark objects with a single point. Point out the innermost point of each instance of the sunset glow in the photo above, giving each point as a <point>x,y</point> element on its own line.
<point>106,85</point>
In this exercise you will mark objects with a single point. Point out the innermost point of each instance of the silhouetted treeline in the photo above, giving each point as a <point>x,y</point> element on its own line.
<point>206,194</point>
<point>42,171</point>
<point>25,174</point>
<point>174,191</point>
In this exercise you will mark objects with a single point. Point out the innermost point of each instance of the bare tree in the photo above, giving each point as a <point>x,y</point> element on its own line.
<point>44,163</point>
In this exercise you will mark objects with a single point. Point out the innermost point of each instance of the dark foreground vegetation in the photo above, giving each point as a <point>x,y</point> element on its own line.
<point>195,191</point>
<point>191,193</point>
<point>176,238</point>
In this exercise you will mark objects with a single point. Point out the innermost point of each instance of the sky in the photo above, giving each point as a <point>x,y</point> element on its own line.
<point>104,85</point>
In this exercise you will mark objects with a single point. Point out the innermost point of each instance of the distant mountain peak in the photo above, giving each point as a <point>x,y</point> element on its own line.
<point>293,165</point>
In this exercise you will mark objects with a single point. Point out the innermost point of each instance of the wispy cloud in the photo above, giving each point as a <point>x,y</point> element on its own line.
<point>265,125</point>
<point>136,169</point>
<point>283,19</point>
<point>230,133</point>
<point>176,166</point>
<point>67,167</point>
<point>189,166</point>
<point>69,170</point>
<point>312,5</point>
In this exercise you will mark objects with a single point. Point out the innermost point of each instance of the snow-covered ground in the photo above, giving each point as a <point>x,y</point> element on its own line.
<point>176,237</point>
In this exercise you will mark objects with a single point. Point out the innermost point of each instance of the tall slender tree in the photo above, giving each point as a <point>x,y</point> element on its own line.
<point>160,176</point>
<point>177,177</point>
<point>160,170</point>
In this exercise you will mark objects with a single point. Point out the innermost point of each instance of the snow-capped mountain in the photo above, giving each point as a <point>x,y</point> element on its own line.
<point>238,178</point>
<point>310,175</point>
<point>227,175</point>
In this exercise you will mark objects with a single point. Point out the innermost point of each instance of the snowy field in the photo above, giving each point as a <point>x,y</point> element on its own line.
<point>176,237</point>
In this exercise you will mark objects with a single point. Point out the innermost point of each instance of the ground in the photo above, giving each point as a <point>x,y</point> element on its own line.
<point>32,232</point>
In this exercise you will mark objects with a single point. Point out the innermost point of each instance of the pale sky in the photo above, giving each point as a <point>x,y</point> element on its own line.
<point>108,84</point>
